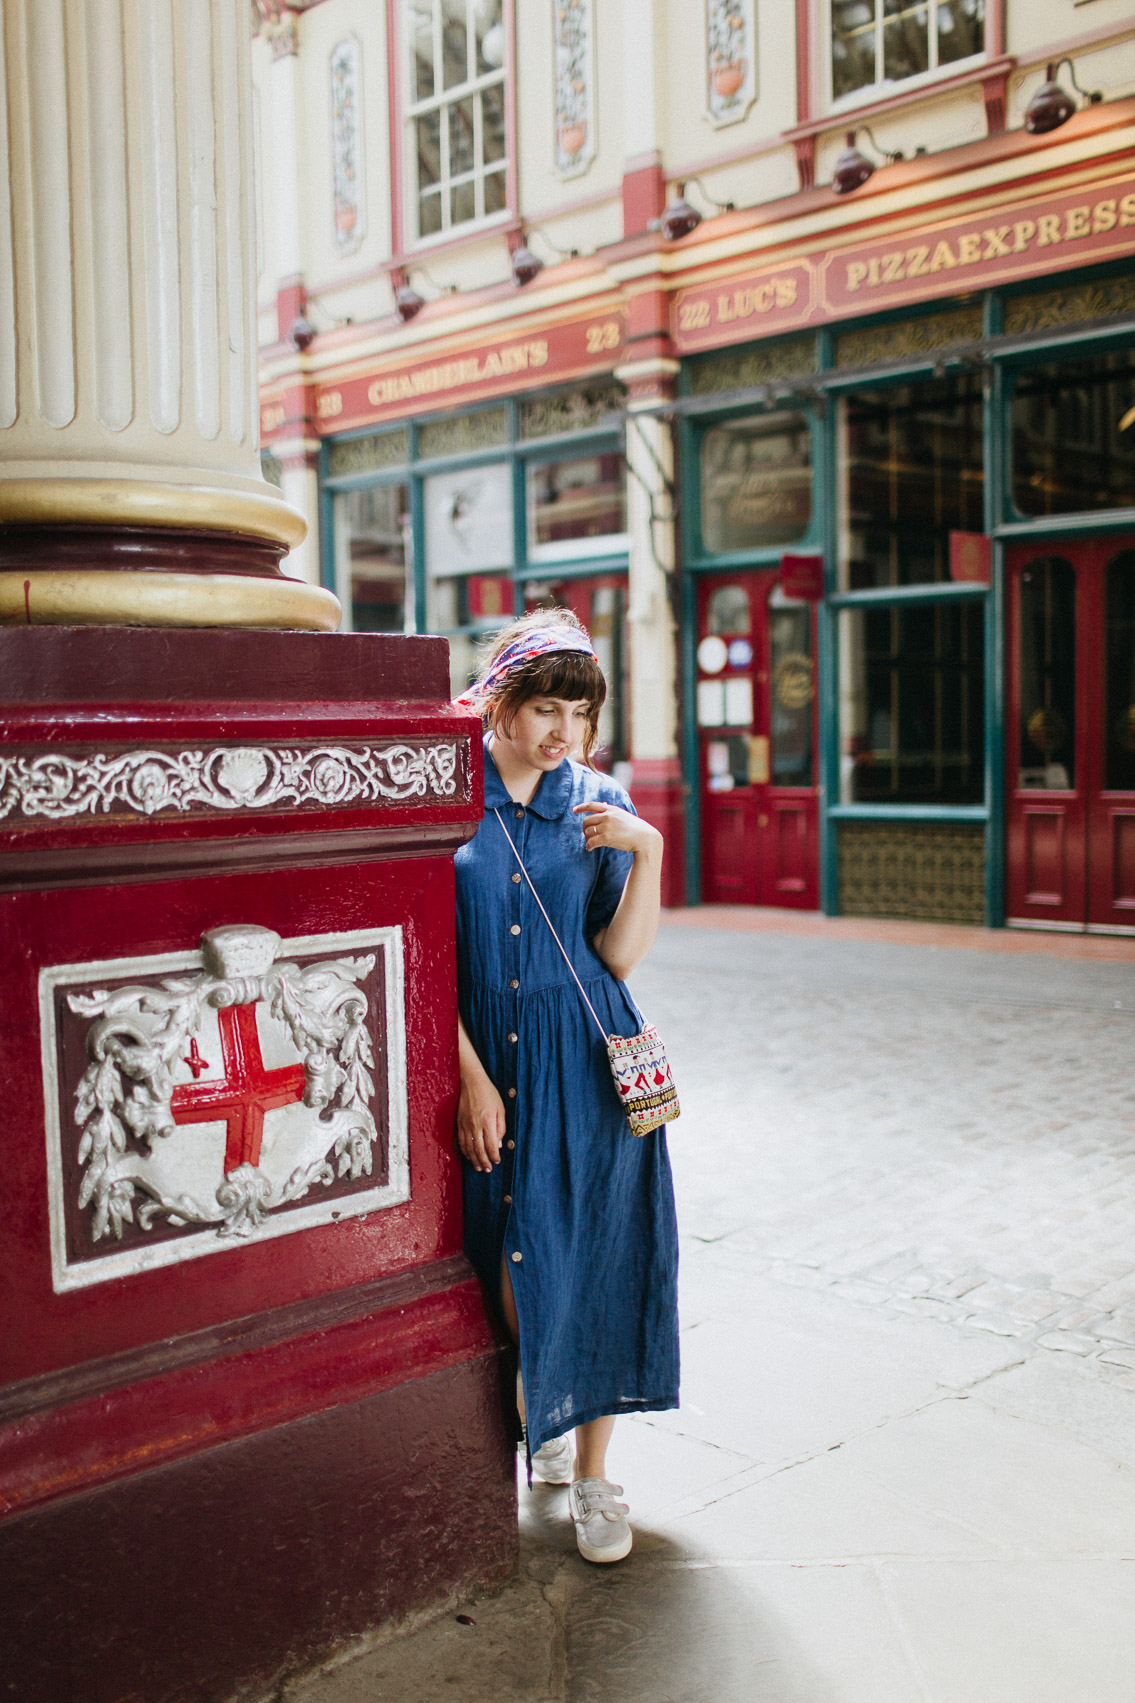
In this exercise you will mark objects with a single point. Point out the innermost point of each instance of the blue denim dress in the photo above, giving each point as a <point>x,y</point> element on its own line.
<point>581,1210</point>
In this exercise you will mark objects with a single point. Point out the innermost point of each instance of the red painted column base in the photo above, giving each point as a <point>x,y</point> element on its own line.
<point>339,1495</point>
<point>659,796</point>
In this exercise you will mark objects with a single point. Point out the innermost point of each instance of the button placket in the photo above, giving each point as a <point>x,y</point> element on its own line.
<point>515,939</point>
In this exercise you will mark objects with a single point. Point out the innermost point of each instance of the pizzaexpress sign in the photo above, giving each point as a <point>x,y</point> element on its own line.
<point>1076,228</point>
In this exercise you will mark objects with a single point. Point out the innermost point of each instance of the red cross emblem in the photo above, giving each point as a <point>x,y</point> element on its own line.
<point>243,1094</point>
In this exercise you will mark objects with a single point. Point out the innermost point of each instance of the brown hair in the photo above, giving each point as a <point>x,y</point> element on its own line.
<point>568,674</point>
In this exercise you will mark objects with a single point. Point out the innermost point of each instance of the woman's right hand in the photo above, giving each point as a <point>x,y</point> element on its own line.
<point>480,1121</point>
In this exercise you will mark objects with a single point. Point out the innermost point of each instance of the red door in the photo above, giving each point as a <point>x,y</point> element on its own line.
<point>1071,735</point>
<point>756,714</point>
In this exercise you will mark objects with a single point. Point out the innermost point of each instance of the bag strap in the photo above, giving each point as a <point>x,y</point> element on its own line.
<point>548,920</point>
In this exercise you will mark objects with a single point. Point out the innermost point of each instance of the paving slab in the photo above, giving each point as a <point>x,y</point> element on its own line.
<point>904,1466</point>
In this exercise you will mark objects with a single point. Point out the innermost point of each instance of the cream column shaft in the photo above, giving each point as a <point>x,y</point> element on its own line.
<point>650,621</point>
<point>128,384</point>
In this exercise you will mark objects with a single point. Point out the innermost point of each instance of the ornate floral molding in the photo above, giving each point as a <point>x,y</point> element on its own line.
<point>573,113</point>
<point>60,788</point>
<point>731,61</point>
<point>346,145</point>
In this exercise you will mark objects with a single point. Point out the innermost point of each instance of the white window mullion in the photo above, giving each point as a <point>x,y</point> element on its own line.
<point>880,64</point>
<point>932,26</point>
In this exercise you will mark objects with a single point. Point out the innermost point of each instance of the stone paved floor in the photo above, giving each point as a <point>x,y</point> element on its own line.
<point>904,1467</point>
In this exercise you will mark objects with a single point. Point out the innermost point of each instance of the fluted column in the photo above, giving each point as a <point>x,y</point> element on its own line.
<point>128,404</point>
<point>656,784</point>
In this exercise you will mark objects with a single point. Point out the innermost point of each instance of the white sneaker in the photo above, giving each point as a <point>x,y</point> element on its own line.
<point>554,1462</point>
<point>602,1530</point>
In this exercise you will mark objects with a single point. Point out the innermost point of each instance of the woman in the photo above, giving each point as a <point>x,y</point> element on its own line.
<point>569,1218</point>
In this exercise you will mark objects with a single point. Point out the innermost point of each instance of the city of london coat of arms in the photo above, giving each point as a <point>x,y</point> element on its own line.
<point>199,1100</point>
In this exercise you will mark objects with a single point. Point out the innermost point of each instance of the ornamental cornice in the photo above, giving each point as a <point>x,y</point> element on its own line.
<point>153,781</point>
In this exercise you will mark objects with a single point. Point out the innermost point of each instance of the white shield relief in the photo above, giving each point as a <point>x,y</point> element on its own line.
<point>200,1100</point>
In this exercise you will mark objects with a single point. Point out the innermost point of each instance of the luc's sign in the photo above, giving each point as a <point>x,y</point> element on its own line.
<point>997,245</point>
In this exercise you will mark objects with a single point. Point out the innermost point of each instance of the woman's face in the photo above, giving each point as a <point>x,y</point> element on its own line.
<point>546,730</point>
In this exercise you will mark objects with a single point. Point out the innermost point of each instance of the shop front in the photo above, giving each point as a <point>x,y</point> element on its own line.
<point>453,522</point>
<point>948,732</point>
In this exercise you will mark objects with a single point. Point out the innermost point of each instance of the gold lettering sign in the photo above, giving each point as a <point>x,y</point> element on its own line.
<point>454,375</point>
<point>992,242</point>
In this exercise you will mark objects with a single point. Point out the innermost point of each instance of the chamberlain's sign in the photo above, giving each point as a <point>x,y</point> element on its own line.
<point>947,258</point>
<point>475,372</point>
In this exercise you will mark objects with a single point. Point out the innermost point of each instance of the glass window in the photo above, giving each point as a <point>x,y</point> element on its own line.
<point>885,41</point>
<point>793,693</point>
<point>912,472</point>
<point>468,517</point>
<point>1046,607</point>
<point>456,110</point>
<point>372,533</point>
<point>602,607</point>
<point>756,483</point>
<point>911,704</point>
<point>572,501</point>
<point>1074,436</point>
<point>1120,731</point>
<point>729,611</point>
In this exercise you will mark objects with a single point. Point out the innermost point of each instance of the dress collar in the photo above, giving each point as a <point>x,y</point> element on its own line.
<point>550,799</point>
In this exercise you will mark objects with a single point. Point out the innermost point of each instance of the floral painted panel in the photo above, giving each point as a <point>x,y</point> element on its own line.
<point>574,105</point>
<point>346,145</point>
<point>731,60</point>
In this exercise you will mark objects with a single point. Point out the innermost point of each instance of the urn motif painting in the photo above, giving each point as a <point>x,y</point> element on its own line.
<point>574,86</point>
<point>199,1100</point>
<point>731,60</point>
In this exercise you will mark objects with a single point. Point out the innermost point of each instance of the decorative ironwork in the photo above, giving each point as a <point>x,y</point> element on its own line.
<point>346,145</point>
<point>579,410</point>
<point>917,871</point>
<point>368,455</point>
<point>147,782</point>
<point>904,337</point>
<point>780,358</point>
<point>1048,309</point>
<point>574,110</point>
<point>458,433</point>
<point>731,60</point>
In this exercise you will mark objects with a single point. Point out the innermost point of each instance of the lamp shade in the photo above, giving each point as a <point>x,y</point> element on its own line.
<point>525,265</point>
<point>407,302</point>
<point>303,333</point>
<point>852,169</point>
<point>679,218</point>
<point>1050,107</point>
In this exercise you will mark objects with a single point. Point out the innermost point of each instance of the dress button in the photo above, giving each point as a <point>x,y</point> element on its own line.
<point>519,814</point>
<point>515,929</point>
<point>517,1257</point>
<point>514,984</point>
<point>512,1038</point>
<point>516,878</point>
<point>508,1200</point>
<point>510,1145</point>
<point>512,1096</point>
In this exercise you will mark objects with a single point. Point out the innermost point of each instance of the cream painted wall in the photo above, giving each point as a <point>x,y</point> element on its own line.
<point>1110,69</point>
<point>321,29</point>
<point>945,121</point>
<point>542,190</point>
<point>1033,24</point>
<point>691,139</point>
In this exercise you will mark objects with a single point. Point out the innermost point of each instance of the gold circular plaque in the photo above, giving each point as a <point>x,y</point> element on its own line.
<point>794,682</point>
<point>1047,729</point>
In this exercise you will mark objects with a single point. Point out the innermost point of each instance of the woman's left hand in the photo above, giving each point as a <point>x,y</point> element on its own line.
<point>610,825</point>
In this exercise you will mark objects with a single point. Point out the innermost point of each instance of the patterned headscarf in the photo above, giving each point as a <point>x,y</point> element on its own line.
<point>539,642</point>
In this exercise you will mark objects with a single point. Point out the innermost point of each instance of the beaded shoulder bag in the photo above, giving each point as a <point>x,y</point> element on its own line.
<point>639,1066</point>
